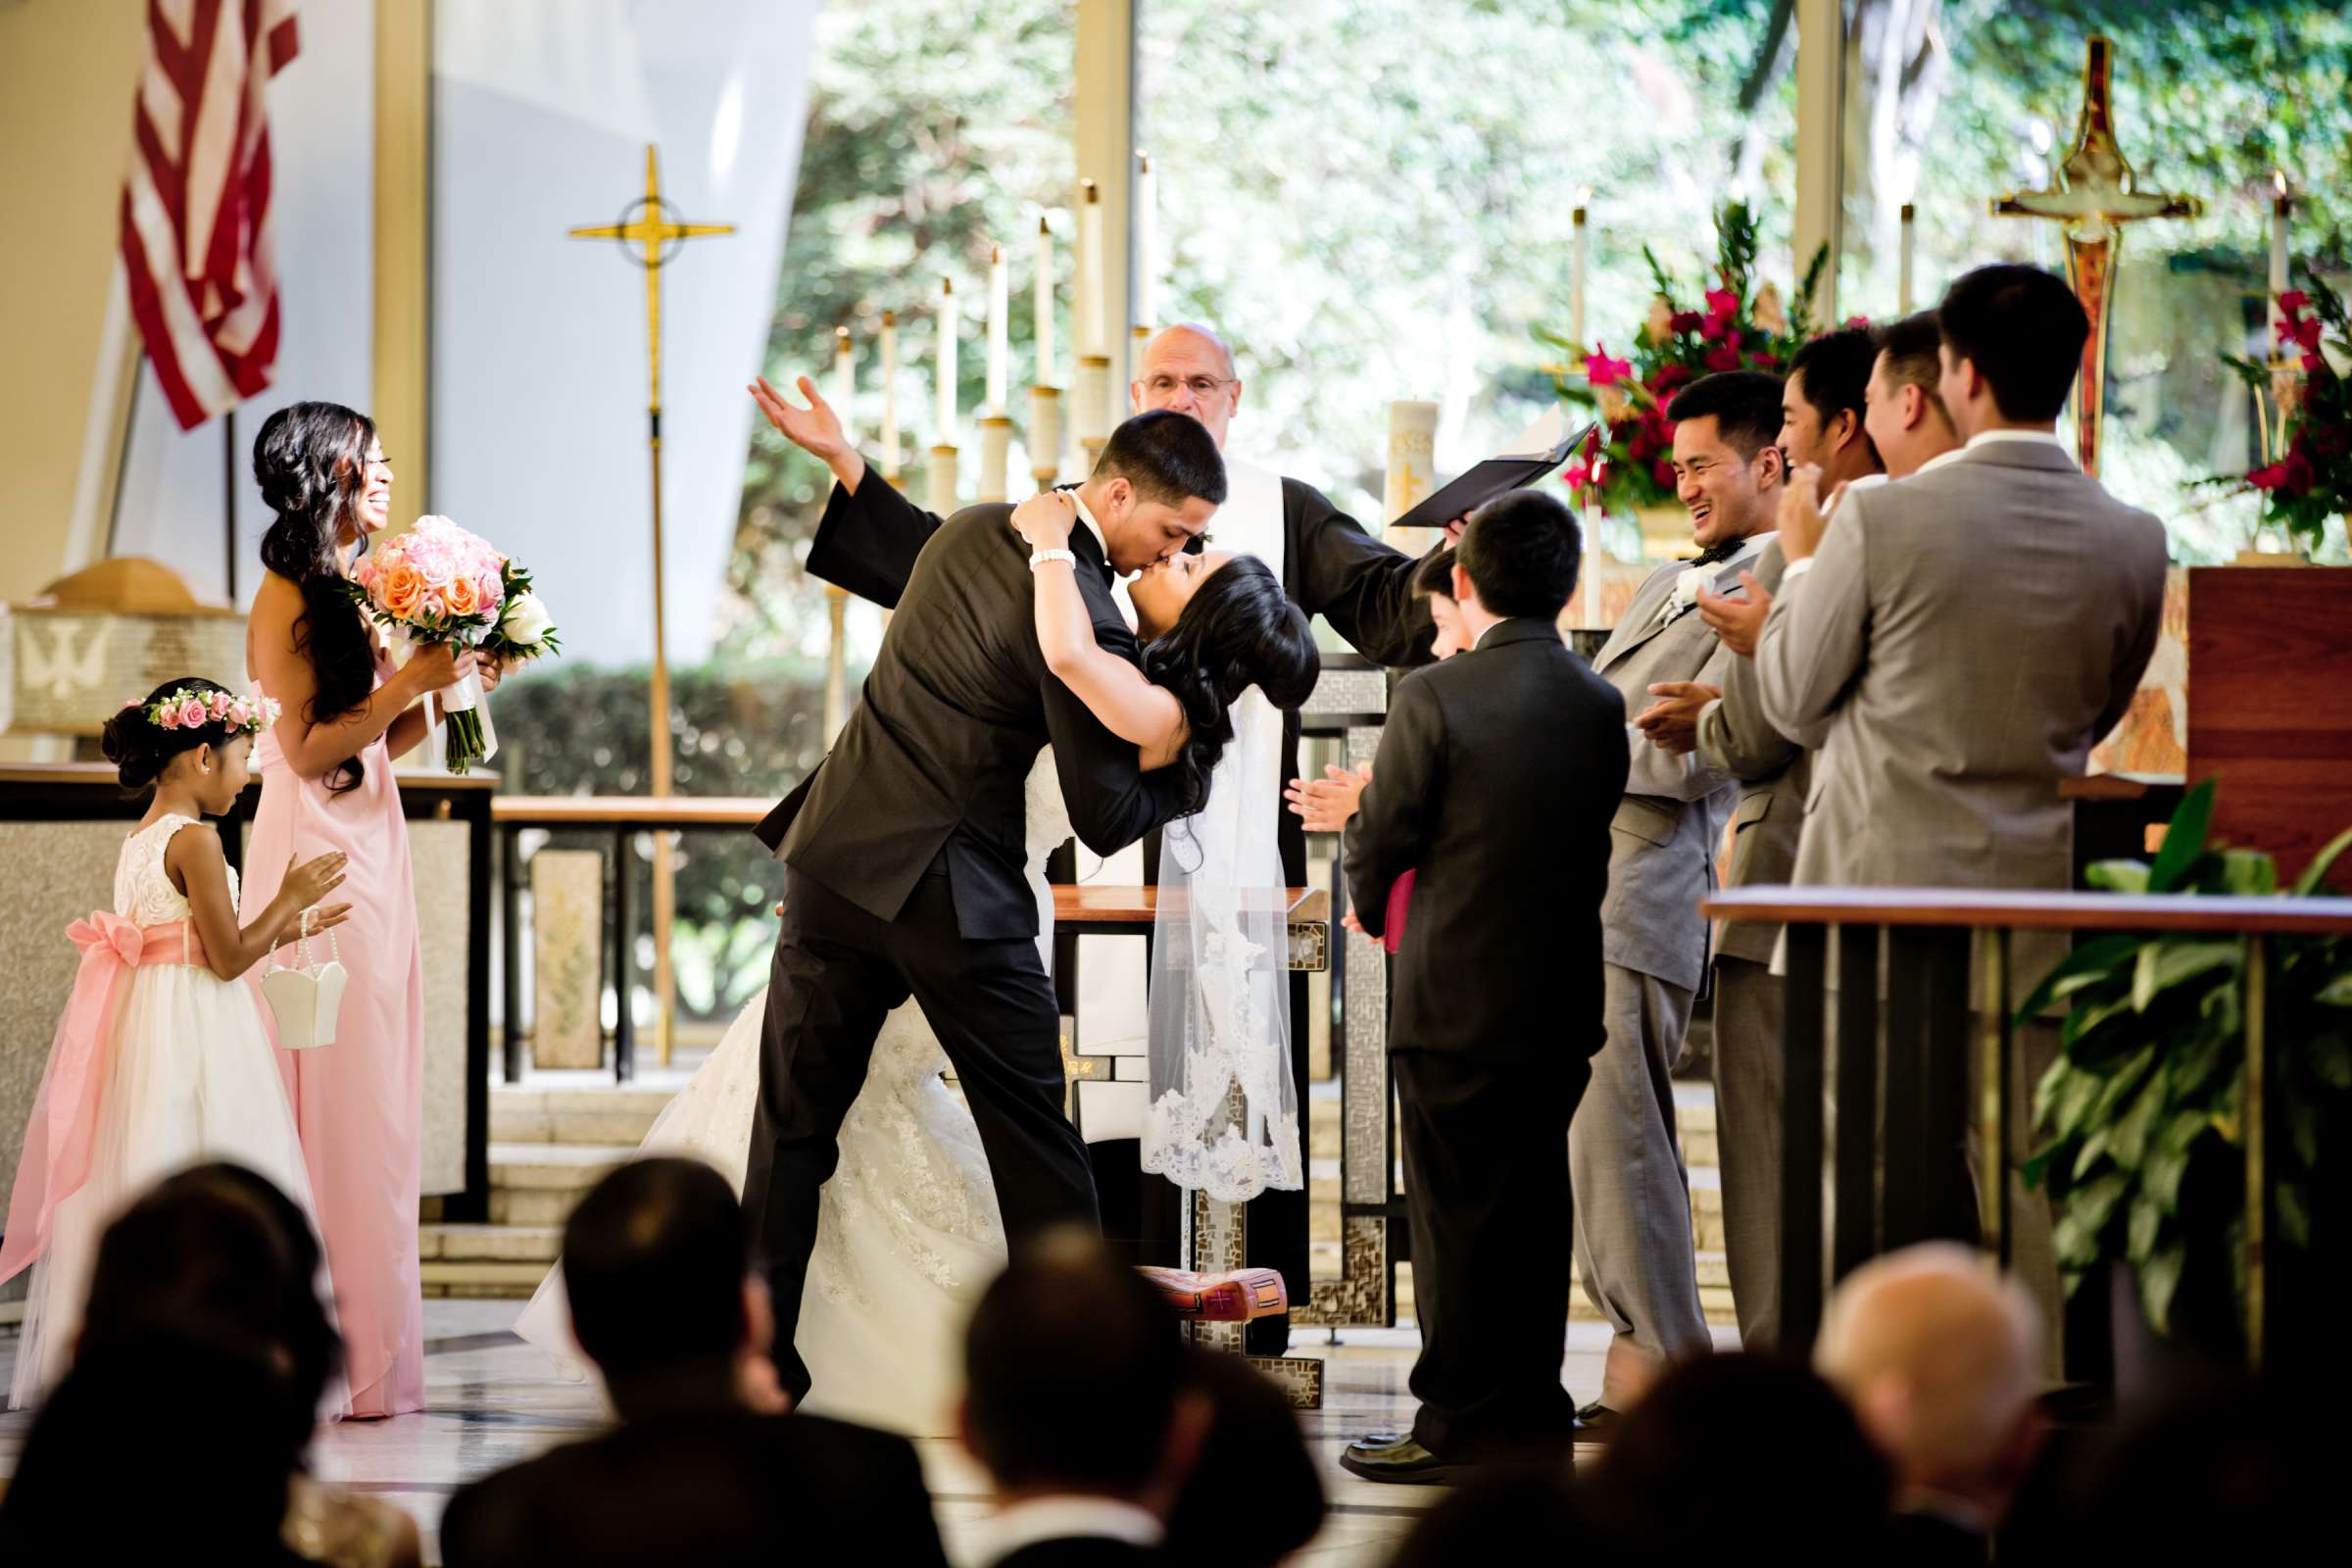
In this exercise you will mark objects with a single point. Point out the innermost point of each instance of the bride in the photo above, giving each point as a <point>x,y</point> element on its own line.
<point>907,1231</point>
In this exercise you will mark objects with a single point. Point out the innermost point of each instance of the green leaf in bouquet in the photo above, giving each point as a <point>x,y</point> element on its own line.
<point>2159,1281</point>
<point>2183,839</point>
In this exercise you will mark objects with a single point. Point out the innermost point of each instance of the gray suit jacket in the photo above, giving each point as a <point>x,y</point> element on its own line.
<point>1735,739</point>
<point>1960,643</point>
<point>1663,838</point>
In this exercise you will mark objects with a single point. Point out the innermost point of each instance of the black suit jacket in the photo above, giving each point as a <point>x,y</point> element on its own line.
<point>723,1489</point>
<point>869,538</point>
<point>1496,777</point>
<point>932,762</point>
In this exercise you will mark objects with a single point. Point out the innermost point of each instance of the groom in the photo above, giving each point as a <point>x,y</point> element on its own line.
<point>905,854</point>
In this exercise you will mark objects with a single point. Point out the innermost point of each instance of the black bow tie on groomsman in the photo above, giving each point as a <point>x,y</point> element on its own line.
<point>1716,553</point>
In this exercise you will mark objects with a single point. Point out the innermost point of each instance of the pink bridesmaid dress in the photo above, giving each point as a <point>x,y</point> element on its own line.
<point>358,1102</point>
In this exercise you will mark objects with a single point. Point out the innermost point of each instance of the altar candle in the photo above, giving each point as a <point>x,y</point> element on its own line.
<point>890,395</point>
<point>947,323</point>
<point>1146,243</point>
<point>1044,303</point>
<point>2281,207</point>
<point>845,375</point>
<point>1576,278</point>
<point>999,328</point>
<point>1902,265</point>
<point>1090,268</point>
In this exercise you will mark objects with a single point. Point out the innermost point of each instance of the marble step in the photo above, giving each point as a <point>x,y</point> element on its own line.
<point>482,1280</point>
<point>489,1243</point>
<point>617,1115</point>
<point>538,1184</point>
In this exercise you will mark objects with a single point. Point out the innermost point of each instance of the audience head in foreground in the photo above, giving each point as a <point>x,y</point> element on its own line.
<point>2013,341</point>
<point>1723,1445</point>
<point>1941,1362</point>
<point>1255,1496</point>
<point>656,1268</point>
<point>1519,556</point>
<point>1078,1399</point>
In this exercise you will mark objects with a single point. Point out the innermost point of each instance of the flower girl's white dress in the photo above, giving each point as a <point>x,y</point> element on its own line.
<point>188,1074</point>
<point>909,1232</point>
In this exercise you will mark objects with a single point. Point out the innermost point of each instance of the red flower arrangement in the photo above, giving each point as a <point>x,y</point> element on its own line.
<point>1628,461</point>
<point>2310,477</point>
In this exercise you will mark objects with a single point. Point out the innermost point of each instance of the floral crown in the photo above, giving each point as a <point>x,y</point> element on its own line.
<point>190,709</point>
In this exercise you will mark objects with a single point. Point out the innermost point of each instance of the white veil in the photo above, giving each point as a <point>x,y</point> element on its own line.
<point>1223,1116</point>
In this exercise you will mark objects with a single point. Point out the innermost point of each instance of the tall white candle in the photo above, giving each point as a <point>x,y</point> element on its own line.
<point>1146,243</point>
<point>2281,208</point>
<point>946,327</point>
<point>845,375</point>
<point>1044,330</point>
<point>891,457</point>
<point>1090,270</point>
<point>1576,278</point>
<point>999,329</point>
<point>1902,265</point>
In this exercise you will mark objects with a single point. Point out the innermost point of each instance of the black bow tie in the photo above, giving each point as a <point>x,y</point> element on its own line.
<point>1716,555</point>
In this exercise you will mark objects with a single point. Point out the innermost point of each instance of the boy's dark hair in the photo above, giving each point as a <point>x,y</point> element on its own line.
<point>1435,574</point>
<point>1521,553</point>
<point>2024,330</point>
<point>1168,457</point>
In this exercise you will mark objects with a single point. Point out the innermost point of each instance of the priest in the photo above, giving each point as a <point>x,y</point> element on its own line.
<point>870,534</point>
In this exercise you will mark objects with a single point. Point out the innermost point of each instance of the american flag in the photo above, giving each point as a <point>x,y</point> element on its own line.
<point>196,242</point>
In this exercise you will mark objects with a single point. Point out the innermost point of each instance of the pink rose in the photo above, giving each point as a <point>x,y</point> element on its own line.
<point>192,714</point>
<point>1722,303</point>
<point>1604,370</point>
<point>168,718</point>
<point>490,590</point>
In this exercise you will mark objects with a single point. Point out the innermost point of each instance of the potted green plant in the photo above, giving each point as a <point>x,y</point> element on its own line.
<point>2144,1109</point>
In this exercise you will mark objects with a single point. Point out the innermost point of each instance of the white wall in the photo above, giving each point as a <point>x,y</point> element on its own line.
<point>542,112</point>
<point>323,152</point>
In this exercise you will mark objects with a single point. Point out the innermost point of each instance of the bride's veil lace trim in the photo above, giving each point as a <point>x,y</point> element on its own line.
<point>1223,1116</point>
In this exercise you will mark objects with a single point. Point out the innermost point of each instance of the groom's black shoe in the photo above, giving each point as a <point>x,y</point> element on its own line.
<point>1397,1458</point>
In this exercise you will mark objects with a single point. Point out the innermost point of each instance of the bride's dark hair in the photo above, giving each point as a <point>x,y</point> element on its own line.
<point>311,461</point>
<point>1237,630</point>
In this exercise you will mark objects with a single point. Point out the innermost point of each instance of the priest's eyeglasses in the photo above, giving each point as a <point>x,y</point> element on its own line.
<point>1202,387</point>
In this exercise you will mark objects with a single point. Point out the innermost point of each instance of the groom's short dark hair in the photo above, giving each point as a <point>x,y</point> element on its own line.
<point>653,1264</point>
<point>1169,457</point>
<point>1521,553</point>
<point>2024,330</point>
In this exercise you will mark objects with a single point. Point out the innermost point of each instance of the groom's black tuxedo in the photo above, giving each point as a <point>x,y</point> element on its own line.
<point>905,875</point>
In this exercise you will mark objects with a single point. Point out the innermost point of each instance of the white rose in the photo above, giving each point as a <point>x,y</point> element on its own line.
<point>526,621</point>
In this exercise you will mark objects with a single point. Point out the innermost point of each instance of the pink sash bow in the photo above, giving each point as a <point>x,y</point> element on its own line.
<point>65,1110</point>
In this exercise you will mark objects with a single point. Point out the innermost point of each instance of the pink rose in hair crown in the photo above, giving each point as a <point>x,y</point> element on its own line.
<point>192,714</point>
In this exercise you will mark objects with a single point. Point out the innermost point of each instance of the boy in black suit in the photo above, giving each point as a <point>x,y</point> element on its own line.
<point>1496,777</point>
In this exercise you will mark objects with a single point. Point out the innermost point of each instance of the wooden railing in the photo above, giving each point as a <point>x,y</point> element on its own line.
<point>1922,1052</point>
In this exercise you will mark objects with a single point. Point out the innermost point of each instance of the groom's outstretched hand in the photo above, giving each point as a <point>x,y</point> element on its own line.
<point>815,429</point>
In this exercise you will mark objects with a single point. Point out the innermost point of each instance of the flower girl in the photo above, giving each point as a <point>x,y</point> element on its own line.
<point>163,1058</point>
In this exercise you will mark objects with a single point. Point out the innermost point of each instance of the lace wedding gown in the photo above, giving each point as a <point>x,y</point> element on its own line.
<point>907,1228</point>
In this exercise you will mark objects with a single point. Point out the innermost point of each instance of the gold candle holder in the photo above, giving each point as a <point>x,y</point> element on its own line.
<point>943,480</point>
<point>996,450</point>
<point>1045,435</point>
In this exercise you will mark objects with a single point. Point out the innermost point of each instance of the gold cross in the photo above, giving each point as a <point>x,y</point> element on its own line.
<point>646,225</point>
<point>2096,193</point>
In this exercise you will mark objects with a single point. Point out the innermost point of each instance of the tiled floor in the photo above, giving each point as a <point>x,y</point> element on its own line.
<point>494,1400</point>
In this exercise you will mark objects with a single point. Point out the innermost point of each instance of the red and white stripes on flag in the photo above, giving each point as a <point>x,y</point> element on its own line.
<point>196,203</point>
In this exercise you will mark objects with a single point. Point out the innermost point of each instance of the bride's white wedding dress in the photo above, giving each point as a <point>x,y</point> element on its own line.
<point>907,1229</point>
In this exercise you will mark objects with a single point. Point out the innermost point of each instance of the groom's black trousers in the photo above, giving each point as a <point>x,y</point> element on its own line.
<point>838,970</point>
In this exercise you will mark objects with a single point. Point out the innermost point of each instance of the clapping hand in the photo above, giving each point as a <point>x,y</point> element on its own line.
<point>1325,804</point>
<point>1672,721</point>
<point>1804,517</point>
<point>1045,519</point>
<point>1736,622</point>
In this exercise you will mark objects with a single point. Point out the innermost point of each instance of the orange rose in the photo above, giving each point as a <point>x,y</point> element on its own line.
<point>462,596</point>
<point>400,589</point>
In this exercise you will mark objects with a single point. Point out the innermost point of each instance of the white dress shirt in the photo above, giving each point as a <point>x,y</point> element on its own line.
<point>1070,1518</point>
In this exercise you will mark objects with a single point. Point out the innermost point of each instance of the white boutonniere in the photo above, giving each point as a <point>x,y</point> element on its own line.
<point>1686,593</point>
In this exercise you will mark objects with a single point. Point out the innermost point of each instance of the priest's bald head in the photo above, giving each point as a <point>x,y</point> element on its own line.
<point>1189,368</point>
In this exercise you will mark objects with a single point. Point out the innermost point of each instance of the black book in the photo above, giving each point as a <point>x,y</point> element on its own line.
<point>1538,452</point>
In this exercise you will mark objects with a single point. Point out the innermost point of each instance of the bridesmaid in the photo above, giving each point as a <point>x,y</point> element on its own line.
<point>327,783</point>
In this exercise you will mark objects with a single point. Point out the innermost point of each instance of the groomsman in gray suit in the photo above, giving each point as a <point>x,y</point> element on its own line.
<point>1960,641</point>
<point>1821,424</point>
<point>1633,1196</point>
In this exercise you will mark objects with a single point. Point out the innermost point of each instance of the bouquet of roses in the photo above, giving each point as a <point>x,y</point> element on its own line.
<point>2308,478</point>
<point>438,583</point>
<point>1628,461</point>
